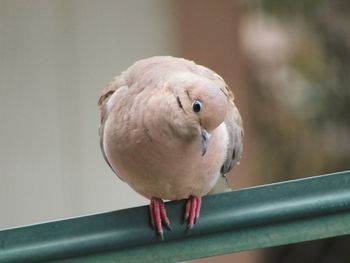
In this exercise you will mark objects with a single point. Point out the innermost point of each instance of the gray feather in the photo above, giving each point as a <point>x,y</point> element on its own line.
<point>234,128</point>
<point>106,95</point>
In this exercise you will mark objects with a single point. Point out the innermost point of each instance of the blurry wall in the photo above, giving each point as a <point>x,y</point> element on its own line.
<point>55,58</point>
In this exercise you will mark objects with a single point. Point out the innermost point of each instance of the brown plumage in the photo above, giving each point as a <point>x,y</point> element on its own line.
<point>170,129</point>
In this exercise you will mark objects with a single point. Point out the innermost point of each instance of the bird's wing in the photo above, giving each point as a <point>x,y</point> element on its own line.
<point>233,122</point>
<point>234,128</point>
<point>112,87</point>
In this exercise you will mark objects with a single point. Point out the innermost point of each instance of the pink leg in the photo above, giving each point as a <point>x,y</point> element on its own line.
<point>158,215</point>
<point>193,207</point>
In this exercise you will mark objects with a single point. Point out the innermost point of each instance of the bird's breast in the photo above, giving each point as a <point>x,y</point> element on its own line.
<point>155,163</point>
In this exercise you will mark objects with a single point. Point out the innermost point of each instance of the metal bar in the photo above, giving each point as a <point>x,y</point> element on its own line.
<point>258,217</point>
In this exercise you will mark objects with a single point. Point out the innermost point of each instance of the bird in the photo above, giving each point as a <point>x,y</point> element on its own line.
<point>170,129</point>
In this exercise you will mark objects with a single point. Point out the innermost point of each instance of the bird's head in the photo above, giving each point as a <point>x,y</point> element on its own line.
<point>202,105</point>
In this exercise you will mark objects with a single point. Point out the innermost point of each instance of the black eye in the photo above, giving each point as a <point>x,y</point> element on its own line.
<point>197,106</point>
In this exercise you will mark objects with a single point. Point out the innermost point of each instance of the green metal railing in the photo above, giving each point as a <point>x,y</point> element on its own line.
<point>258,217</point>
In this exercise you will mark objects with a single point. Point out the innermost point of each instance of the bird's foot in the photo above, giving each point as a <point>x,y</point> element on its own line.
<point>193,207</point>
<point>158,215</point>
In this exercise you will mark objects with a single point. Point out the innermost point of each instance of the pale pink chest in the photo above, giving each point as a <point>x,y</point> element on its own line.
<point>168,168</point>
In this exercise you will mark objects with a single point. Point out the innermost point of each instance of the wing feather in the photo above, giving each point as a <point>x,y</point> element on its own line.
<point>233,121</point>
<point>110,89</point>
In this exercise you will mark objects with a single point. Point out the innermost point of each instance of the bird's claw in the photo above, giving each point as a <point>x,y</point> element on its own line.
<point>193,207</point>
<point>159,216</point>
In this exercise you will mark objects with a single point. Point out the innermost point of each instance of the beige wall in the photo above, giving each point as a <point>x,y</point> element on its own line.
<point>55,57</point>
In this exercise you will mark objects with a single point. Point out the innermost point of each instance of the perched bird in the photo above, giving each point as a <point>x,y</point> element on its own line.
<point>170,129</point>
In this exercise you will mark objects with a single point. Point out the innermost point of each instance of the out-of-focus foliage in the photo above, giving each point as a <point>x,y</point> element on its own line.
<point>298,56</point>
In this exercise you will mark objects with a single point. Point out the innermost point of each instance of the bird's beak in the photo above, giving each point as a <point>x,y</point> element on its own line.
<point>205,140</point>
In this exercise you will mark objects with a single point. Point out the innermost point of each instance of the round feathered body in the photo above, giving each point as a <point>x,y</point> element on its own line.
<point>169,128</point>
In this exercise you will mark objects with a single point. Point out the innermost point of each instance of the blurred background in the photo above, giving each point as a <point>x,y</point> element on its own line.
<point>288,63</point>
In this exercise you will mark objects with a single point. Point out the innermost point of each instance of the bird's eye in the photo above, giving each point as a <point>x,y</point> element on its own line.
<point>197,106</point>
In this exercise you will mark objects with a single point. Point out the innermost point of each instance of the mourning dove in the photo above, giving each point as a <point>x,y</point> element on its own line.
<point>170,129</point>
